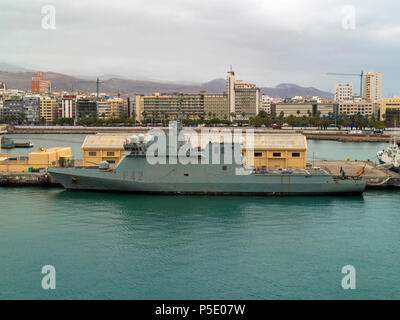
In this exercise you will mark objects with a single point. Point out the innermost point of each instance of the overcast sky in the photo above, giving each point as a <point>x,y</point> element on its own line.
<point>266,42</point>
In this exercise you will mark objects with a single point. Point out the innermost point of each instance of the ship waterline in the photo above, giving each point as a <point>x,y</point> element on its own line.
<point>137,175</point>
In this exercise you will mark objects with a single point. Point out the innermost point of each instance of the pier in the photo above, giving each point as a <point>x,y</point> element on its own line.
<point>376,177</point>
<point>312,134</point>
<point>38,179</point>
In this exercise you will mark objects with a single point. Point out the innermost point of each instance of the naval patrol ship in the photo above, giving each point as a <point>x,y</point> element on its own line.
<point>141,171</point>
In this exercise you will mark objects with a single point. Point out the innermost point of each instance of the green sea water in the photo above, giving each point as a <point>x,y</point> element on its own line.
<point>127,246</point>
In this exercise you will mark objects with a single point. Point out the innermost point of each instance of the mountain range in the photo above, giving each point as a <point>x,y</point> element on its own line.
<point>19,78</point>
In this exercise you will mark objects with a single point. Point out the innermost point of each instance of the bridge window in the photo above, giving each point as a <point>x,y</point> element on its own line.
<point>92,153</point>
<point>110,154</point>
<point>258,154</point>
<point>276,154</point>
<point>296,155</point>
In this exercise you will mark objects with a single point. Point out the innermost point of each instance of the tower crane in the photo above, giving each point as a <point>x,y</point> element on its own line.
<point>361,75</point>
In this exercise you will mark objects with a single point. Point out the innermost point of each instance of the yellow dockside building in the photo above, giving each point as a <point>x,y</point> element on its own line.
<point>41,158</point>
<point>277,151</point>
<point>103,147</point>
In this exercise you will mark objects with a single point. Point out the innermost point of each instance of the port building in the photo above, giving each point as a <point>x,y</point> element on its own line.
<point>41,158</point>
<point>277,151</point>
<point>103,147</point>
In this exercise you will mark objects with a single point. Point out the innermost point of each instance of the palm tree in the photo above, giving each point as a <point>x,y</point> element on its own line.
<point>144,114</point>
<point>134,117</point>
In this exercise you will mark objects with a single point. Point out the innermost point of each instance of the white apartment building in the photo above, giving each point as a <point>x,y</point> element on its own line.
<point>67,107</point>
<point>265,103</point>
<point>343,92</point>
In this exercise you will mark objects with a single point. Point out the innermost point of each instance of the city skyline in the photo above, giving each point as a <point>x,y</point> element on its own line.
<point>286,42</point>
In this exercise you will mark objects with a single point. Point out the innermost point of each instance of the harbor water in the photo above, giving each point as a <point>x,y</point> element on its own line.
<point>128,246</point>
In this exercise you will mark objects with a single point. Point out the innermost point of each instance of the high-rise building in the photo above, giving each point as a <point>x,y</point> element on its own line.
<point>165,107</point>
<point>358,106</point>
<point>103,109</point>
<point>39,84</point>
<point>67,107</point>
<point>118,108</point>
<point>13,108</point>
<point>343,92</point>
<point>115,108</point>
<point>216,106</point>
<point>266,103</point>
<point>243,97</point>
<point>86,108</point>
<point>247,100</point>
<point>32,109</point>
<point>372,86</point>
<point>48,109</point>
<point>230,89</point>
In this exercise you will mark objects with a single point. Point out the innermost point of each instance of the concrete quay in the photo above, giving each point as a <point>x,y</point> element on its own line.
<point>333,135</point>
<point>375,176</point>
<point>27,179</point>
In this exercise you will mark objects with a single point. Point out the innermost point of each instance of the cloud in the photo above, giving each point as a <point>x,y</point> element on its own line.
<point>267,42</point>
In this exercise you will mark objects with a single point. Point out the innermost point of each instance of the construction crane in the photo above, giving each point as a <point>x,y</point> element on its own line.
<point>361,75</point>
<point>91,81</point>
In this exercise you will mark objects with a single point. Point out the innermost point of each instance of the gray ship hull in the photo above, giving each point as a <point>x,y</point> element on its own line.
<point>141,177</point>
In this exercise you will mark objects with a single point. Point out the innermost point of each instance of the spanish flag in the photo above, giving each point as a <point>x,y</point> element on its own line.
<point>361,171</point>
